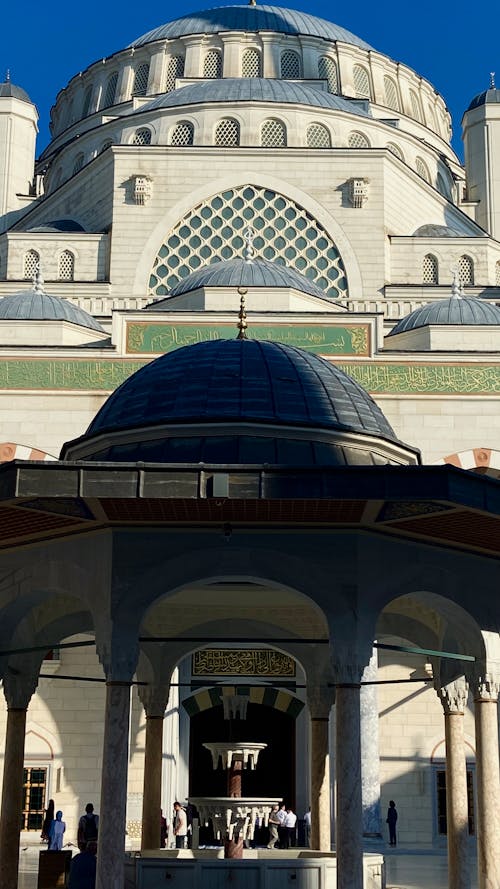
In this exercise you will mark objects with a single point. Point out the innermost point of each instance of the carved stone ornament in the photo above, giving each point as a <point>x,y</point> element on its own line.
<point>142,188</point>
<point>454,696</point>
<point>358,192</point>
<point>487,688</point>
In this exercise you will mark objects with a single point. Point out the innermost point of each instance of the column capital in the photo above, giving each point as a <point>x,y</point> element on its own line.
<point>118,651</point>
<point>348,672</point>
<point>19,688</point>
<point>154,699</point>
<point>486,687</point>
<point>320,700</point>
<point>454,696</point>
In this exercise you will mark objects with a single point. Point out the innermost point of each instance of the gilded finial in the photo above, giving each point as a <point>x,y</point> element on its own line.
<point>38,281</point>
<point>252,2</point>
<point>242,316</point>
<point>492,80</point>
<point>456,286</point>
<point>249,236</point>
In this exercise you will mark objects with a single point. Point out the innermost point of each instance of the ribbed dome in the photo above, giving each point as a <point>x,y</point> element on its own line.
<point>36,305</point>
<point>9,90</point>
<point>250,18</point>
<point>249,380</point>
<point>242,273</point>
<point>253,89</point>
<point>463,310</point>
<point>487,97</point>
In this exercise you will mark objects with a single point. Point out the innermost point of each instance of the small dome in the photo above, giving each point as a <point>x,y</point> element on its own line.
<point>431,230</point>
<point>487,97</point>
<point>58,225</point>
<point>254,89</point>
<point>36,305</point>
<point>251,18</point>
<point>454,310</point>
<point>9,90</point>
<point>242,273</point>
<point>249,380</point>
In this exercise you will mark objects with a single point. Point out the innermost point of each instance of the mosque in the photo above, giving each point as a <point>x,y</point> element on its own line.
<point>250,436</point>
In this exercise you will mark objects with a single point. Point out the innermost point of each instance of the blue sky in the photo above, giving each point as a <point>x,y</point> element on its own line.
<point>44,46</point>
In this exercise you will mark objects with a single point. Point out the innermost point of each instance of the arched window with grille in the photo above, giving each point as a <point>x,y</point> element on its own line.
<point>422,170</point>
<point>182,133</point>
<point>251,63</point>
<point>141,78</point>
<point>87,101</point>
<point>416,108</point>
<point>212,64</point>
<point>395,150</point>
<point>327,70</point>
<point>361,82</point>
<point>31,264</point>
<point>318,136</point>
<point>109,94</point>
<point>227,133</point>
<point>290,66</point>
<point>358,140</point>
<point>430,270</point>
<point>273,134</point>
<point>77,166</point>
<point>466,270</point>
<point>175,69</point>
<point>66,270</point>
<point>391,94</point>
<point>142,137</point>
<point>105,145</point>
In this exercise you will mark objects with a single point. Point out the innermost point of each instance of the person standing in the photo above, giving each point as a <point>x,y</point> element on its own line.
<point>307,827</point>
<point>163,830</point>
<point>274,824</point>
<point>281,815</point>
<point>57,829</point>
<point>88,827</point>
<point>82,872</point>
<point>290,827</point>
<point>180,826</point>
<point>392,817</point>
<point>47,821</point>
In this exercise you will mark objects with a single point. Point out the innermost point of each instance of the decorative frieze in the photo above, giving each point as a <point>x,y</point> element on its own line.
<point>242,662</point>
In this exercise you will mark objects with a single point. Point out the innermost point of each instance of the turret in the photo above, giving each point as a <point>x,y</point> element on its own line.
<point>481,135</point>
<point>18,131</point>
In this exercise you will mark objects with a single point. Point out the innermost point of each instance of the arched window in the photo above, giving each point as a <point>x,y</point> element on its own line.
<point>141,78</point>
<point>227,133</point>
<point>327,70</point>
<point>497,274</point>
<point>31,264</point>
<point>87,101</point>
<point>361,82</point>
<point>212,64</point>
<point>466,270</point>
<point>318,136</point>
<point>430,270</point>
<point>273,134</point>
<point>416,109</point>
<point>182,133</point>
<point>77,166</point>
<point>66,270</point>
<point>109,95</point>
<point>142,137</point>
<point>421,168</point>
<point>395,149</point>
<point>358,140</point>
<point>105,145</point>
<point>290,65</point>
<point>391,94</point>
<point>251,63</point>
<point>175,69</point>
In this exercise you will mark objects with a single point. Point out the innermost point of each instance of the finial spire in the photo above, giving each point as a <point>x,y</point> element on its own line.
<point>38,281</point>
<point>492,80</point>
<point>249,236</point>
<point>252,2</point>
<point>7,76</point>
<point>242,316</point>
<point>456,286</point>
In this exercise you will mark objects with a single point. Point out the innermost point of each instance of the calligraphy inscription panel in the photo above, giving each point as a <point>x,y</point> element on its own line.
<point>242,662</point>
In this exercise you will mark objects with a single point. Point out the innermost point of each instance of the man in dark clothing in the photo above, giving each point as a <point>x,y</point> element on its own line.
<point>83,868</point>
<point>88,827</point>
<point>392,817</point>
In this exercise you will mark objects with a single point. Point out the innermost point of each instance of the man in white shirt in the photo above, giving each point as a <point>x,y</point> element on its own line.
<point>180,826</point>
<point>290,827</point>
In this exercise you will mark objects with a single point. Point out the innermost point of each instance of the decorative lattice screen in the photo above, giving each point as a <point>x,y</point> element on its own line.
<point>391,94</point>
<point>357,140</point>
<point>66,266</point>
<point>182,134</point>
<point>273,134</point>
<point>395,149</point>
<point>327,70</point>
<point>31,264</point>
<point>141,78</point>
<point>466,270</point>
<point>175,69</point>
<point>422,170</point>
<point>290,65</point>
<point>212,64</point>
<point>250,63</point>
<point>361,82</point>
<point>318,136</point>
<point>142,137</point>
<point>109,95</point>
<point>227,133</point>
<point>415,106</point>
<point>430,271</point>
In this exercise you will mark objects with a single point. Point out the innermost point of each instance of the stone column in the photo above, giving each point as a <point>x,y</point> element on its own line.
<point>370,754</point>
<point>454,700</point>
<point>154,700</point>
<point>349,816</point>
<point>270,60</point>
<point>124,84</point>
<point>17,694</point>
<point>320,701</point>
<point>488,783</point>
<point>156,76</point>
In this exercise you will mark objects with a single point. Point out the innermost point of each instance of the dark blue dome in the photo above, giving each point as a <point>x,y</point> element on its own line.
<point>241,380</point>
<point>36,305</point>
<point>487,97</point>
<point>9,90</point>
<point>454,310</point>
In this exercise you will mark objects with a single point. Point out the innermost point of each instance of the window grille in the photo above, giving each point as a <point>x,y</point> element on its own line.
<point>86,102</point>
<point>34,790</point>
<point>441,813</point>
<point>182,134</point>
<point>175,69</point>
<point>250,63</point>
<point>142,137</point>
<point>465,271</point>
<point>318,136</point>
<point>430,270</point>
<point>391,94</point>
<point>78,164</point>
<point>416,110</point>
<point>31,264</point>
<point>358,140</point>
<point>290,65</point>
<point>285,233</point>
<point>212,64</point>
<point>361,82</point>
<point>273,134</point>
<point>141,78</point>
<point>327,70</point>
<point>497,274</point>
<point>227,133</point>
<point>109,95</point>
<point>66,266</point>
<point>395,149</point>
<point>421,168</point>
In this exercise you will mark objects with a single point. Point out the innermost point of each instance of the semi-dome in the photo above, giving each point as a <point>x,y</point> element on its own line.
<point>454,310</point>
<point>240,272</point>
<point>36,305</point>
<point>9,90</point>
<point>432,230</point>
<point>254,89</point>
<point>250,18</point>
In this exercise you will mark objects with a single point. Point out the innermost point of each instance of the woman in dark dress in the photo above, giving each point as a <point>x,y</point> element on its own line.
<point>47,821</point>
